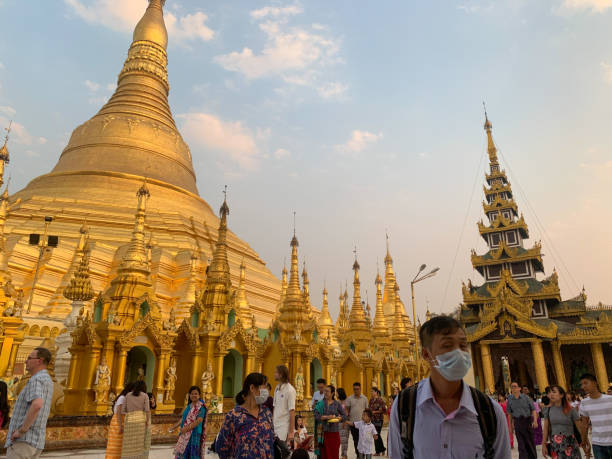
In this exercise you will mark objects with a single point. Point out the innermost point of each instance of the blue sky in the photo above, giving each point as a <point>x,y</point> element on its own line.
<point>360,116</point>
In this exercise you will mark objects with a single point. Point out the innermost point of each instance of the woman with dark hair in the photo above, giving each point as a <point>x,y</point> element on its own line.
<point>560,423</point>
<point>344,430</point>
<point>115,430</point>
<point>191,443</point>
<point>247,431</point>
<point>136,431</point>
<point>330,412</point>
<point>501,399</point>
<point>4,407</point>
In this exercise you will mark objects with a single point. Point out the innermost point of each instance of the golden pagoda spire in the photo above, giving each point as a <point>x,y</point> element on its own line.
<point>306,284</point>
<point>490,144</point>
<point>325,319</point>
<point>134,132</point>
<point>135,259</point>
<point>390,280</point>
<point>342,322</point>
<point>79,288</point>
<point>284,283</point>
<point>242,305</point>
<point>380,323</point>
<point>4,153</point>
<point>398,330</point>
<point>219,271</point>
<point>357,318</point>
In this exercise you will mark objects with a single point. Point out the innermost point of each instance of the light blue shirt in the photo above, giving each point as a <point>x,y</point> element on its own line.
<point>456,436</point>
<point>315,398</point>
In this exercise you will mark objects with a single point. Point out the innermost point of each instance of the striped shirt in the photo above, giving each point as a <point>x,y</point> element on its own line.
<point>40,385</point>
<point>599,411</point>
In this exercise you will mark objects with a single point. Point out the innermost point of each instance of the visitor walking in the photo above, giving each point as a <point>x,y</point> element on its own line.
<point>329,411</point>
<point>318,395</point>
<point>247,431</point>
<point>524,420</point>
<point>344,428</point>
<point>596,408</point>
<point>191,443</point>
<point>355,404</point>
<point>137,425</point>
<point>284,409</point>
<point>26,434</point>
<point>501,398</point>
<point>442,416</point>
<point>367,435</point>
<point>537,432</point>
<point>560,419</point>
<point>115,429</point>
<point>378,407</point>
<point>270,401</point>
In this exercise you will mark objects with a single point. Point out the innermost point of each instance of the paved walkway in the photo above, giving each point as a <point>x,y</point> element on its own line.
<point>165,452</point>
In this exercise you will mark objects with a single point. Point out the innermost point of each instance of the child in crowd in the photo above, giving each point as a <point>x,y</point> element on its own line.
<point>301,438</point>
<point>367,435</point>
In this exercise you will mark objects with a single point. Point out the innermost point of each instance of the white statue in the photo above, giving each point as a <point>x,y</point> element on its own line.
<point>207,378</point>
<point>333,379</point>
<point>299,384</point>
<point>103,381</point>
<point>170,382</point>
<point>141,374</point>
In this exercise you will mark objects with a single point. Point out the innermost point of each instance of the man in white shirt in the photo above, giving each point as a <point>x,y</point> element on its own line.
<point>284,409</point>
<point>597,408</point>
<point>318,395</point>
<point>446,419</point>
<point>355,404</point>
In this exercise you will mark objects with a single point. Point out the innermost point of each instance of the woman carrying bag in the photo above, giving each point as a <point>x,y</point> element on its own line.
<point>332,415</point>
<point>191,443</point>
<point>560,429</point>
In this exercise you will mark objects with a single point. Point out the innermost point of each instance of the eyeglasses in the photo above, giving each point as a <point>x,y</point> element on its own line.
<point>32,358</point>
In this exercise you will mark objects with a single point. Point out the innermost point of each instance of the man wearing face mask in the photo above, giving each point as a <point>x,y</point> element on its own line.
<point>442,417</point>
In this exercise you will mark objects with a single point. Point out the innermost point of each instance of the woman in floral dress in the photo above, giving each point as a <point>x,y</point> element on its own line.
<point>248,432</point>
<point>560,420</point>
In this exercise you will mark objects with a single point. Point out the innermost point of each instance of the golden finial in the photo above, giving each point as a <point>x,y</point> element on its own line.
<point>356,264</point>
<point>4,154</point>
<point>224,211</point>
<point>79,288</point>
<point>151,26</point>
<point>490,144</point>
<point>487,124</point>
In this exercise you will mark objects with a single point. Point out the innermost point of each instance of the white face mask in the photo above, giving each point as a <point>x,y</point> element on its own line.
<point>453,365</point>
<point>262,397</point>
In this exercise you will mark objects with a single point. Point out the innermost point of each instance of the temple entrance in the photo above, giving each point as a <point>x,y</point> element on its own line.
<point>316,372</point>
<point>140,365</point>
<point>513,362</point>
<point>232,373</point>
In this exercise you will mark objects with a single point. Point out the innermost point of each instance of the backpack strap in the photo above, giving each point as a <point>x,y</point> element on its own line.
<point>406,409</point>
<point>487,421</point>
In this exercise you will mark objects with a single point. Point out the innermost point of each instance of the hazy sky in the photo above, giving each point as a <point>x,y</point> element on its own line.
<point>359,115</point>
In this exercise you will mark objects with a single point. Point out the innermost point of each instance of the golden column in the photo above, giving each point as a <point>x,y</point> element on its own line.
<point>119,372</point>
<point>558,362</point>
<point>540,365</point>
<point>219,374</point>
<point>600,366</point>
<point>487,367</point>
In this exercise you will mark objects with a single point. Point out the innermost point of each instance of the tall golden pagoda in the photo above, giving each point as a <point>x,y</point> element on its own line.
<point>518,316</point>
<point>132,139</point>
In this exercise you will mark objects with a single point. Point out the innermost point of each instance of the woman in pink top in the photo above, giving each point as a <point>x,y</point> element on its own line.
<point>501,398</point>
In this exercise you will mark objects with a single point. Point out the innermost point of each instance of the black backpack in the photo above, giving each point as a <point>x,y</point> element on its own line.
<point>406,408</point>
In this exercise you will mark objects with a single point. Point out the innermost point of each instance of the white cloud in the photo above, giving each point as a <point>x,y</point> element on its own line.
<point>276,11</point>
<point>297,55</point>
<point>359,141</point>
<point>596,6</point>
<point>19,134</point>
<point>230,137</point>
<point>91,85</point>
<point>123,16</point>
<point>281,153</point>
<point>8,111</point>
<point>607,68</point>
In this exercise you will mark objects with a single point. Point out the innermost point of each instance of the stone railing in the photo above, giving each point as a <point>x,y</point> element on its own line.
<point>91,432</point>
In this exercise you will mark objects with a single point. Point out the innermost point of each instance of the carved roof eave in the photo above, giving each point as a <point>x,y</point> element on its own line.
<point>237,331</point>
<point>499,174</point>
<point>534,253</point>
<point>148,323</point>
<point>497,189</point>
<point>349,354</point>
<point>85,333</point>
<point>500,204</point>
<point>189,333</point>
<point>502,224</point>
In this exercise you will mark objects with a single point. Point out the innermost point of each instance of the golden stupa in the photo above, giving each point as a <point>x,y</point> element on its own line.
<point>133,138</point>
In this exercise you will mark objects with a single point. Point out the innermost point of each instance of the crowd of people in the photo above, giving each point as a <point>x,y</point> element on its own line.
<point>439,417</point>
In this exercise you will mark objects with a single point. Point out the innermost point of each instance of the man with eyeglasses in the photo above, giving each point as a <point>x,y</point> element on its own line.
<point>26,435</point>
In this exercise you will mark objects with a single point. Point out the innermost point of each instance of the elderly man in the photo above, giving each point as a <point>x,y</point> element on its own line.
<point>26,434</point>
<point>524,419</point>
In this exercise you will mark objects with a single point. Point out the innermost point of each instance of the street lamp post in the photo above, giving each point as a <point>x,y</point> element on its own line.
<point>419,278</point>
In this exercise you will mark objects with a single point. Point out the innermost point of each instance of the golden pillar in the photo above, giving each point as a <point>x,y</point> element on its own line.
<point>558,362</point>
<point>540,365</point>
<point>72,369</point>
<point>119,372</point>
<point>307,378</point>
<point>487,366</point>
<point>219,373</point>
<point>600,366</point>
<point>196,367</point>
<point>387,383</point>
